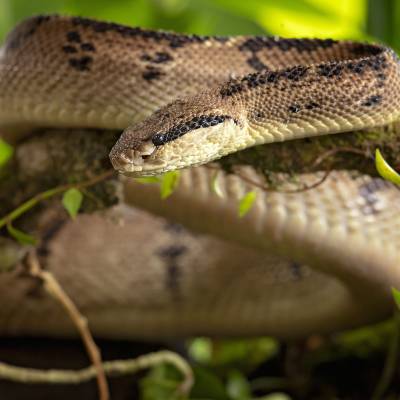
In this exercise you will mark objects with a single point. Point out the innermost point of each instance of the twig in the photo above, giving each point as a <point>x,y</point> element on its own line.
<point>112,368</point>
<point>288,191</point>
<point>24,207</point>
<point>56,291</point>
<point>268,189</point>
<point>305,188</point>
<point>332,152</point>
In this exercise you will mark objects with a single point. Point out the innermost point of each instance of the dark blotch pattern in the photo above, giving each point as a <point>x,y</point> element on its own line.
<point>231,88</point>
<point>364,48</point>
<point>372,101</point>
<point>294,108</point>
<point>172,252</point>
<point>296,270</point>
<point>19,37</point>
<point>81,64</point>
<point>375,63</point>
<point>330,70</point>
<point>158,58</point>
<point>258,43</point>
<point>76,46</point>
<point>256,63</point>
<point>74,37</point>
<point>312,105</point>
<point>295,73</point>
<point>171,256</point>
<point>152,73</point>
<point>40,19</point>
<point>202,121</point>
<point>174,40</point>
<point>261,78</point>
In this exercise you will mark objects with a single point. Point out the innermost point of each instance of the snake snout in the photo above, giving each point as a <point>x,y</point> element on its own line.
<point>133,160</point>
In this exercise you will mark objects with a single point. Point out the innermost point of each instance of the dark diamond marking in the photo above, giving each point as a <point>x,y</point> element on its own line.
<point>74,36</point>
<point>81,64</point>
<point>69,49</point>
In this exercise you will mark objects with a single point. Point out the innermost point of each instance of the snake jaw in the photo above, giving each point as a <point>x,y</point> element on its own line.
<point>131,161</point>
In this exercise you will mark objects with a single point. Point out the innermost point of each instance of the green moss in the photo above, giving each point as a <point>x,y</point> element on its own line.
<point>71,156</point>
<point>350,151</point>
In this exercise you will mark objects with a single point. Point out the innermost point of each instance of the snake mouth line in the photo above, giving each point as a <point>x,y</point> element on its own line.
<point>136,160</point>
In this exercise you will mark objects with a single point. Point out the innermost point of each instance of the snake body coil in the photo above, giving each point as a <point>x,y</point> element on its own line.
<point>186,100</point>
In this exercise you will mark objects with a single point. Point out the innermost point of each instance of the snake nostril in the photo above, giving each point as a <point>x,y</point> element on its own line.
<point>131,159</point>
<point>127,156</point>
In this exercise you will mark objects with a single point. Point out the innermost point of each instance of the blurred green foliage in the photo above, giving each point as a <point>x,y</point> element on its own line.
<point>6,152</point>
<point>357,19</point>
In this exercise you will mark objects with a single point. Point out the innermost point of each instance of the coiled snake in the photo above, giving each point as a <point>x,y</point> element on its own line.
<point>187,100</point>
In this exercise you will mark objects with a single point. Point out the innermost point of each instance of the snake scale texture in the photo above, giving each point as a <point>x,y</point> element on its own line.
<point>318,260</point>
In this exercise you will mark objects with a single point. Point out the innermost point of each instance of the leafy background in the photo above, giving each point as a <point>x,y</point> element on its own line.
<point>244,369</point>
<point>358,19</point>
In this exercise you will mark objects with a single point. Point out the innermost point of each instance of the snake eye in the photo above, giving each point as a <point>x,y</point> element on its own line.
<point>159,139</point>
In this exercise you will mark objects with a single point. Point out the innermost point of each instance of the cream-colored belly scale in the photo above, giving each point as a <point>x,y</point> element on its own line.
<point>66,72</point>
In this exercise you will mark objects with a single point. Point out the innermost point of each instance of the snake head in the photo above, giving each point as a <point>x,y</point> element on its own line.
<point>181,134</point>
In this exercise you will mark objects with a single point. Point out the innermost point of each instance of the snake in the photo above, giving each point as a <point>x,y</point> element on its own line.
<point>319,260</point>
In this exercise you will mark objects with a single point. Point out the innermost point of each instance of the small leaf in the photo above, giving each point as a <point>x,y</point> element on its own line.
<point>207,385</point>
<point>246,203</point>
<point>169,181</point>
<point>148,179</point>
<point>200,349</point>
<point>215,187</point>
<point>72,200</point>
<point>161,383</point>
<point>20,236</point>
<point>249,353</point>
<point>6,152</point>
<point>385,170</point>
<point>237,386</point>
<point>396,296</point>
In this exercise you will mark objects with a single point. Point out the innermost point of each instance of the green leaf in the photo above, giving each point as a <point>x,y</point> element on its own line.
<point>249,352</point>
<point>200,349</point>
<point>20,236</point>
<point>72,200</point>
<point>385,170</point>
<point>169,181</point>
<point>6,152</point>
<point>237,386</point>
<point>148,179</point>
<point>207,385</point>
<point>161,383</point>
<point>396,296</point>
<point>246,203</point>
